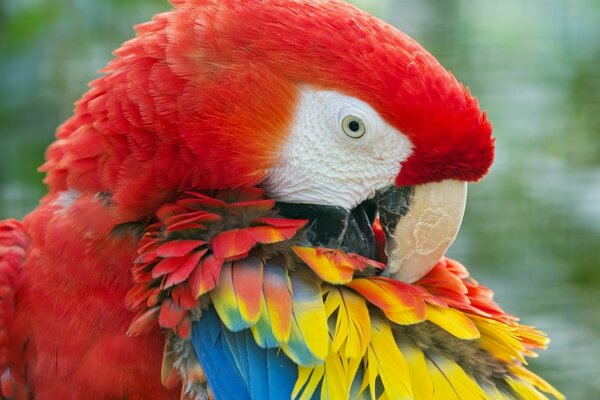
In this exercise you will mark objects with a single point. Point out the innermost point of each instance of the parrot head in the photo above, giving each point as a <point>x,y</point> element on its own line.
<point>334,113</point>
<point>337,115</point>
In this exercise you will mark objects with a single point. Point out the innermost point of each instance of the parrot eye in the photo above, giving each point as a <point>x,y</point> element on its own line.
<point>354,127</point>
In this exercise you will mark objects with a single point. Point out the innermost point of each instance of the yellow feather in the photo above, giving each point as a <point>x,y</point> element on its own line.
<point>525,390</point>
<point>499,339</point>
<point>495,394</point>
<point>337,270</point>
<point>308,380</point>
<point>452,321</point>
<point>335,385</point>
<point>385,361</point>
<point>351,366</point>
<point>441,388</point>
<point>309,338</point>
<point>335,380</point>
<point>419,375</point>
<point>532,335</point>
<point>451,382</point>
<point>398,304</point>
<point>304,374</point>
<point>372,372</point>
<point>535,380</point>
<point>353,324</point>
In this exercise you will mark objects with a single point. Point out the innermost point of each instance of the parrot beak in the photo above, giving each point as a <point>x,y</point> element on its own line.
<point>420,224</point>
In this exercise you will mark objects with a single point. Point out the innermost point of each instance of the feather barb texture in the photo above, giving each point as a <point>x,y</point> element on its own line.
<point>351,332</point>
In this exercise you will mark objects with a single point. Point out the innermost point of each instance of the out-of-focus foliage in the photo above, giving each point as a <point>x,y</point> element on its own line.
<point>532,229</point>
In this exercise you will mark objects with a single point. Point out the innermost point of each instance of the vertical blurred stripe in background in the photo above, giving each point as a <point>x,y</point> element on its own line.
<point>532,229</point>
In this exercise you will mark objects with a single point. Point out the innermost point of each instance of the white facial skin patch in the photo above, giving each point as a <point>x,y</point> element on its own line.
<point>339,152</point>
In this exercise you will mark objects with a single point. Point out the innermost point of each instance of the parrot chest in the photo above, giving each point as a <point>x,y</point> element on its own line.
<point>69,334</point>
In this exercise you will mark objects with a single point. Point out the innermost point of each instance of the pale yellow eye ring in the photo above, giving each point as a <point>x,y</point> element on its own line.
<point>354,127</point>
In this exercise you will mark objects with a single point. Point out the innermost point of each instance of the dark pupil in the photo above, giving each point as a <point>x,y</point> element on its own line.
<point>354,126</point>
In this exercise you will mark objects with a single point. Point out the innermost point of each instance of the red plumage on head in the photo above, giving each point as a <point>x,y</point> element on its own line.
<point>204,96</point>
<point>337,46</point>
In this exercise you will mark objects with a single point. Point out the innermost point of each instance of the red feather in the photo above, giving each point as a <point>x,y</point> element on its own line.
<point>178,248</point>
<point>205,276</point>
<point>154,88</point>
<point>232,244</point>
<point>184,269</point>
<point>170,314</point>
<point>161,121</point>
<point>143,322</point>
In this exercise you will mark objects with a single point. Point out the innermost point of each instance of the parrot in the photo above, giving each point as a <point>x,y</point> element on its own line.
<point>254,201</point>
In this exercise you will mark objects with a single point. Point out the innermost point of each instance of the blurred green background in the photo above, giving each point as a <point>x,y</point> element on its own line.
<point>532,229</point>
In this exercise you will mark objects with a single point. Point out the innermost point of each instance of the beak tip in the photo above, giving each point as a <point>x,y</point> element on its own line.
<point>416,268</point>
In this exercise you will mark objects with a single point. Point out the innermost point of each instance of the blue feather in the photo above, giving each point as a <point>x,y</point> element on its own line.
<point>236,367</point>
<point>216,359</point>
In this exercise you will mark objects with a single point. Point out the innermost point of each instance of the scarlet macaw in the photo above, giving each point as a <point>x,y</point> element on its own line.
<point>254,201</point>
